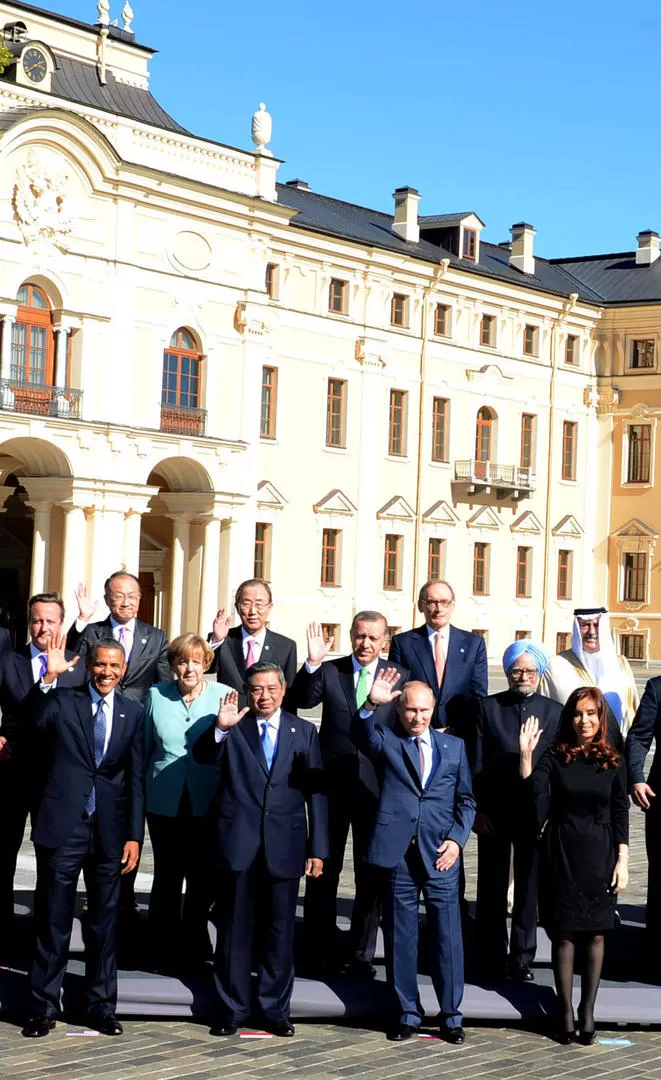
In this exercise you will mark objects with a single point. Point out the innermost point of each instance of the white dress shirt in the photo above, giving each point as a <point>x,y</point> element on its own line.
<point>35,660</point>
<point>109,700</point>
<point>258,646</point>
<point>444,635</point>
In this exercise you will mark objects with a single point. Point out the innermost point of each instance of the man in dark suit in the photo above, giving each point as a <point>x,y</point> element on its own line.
<point>452,662</point>
<point>271,828</point>
<point>645,794</point>
<point>238,648</point>
<point>90,817</point>
<point>426,811</point>
<point>19,671</point>
<point>145,646</point>
<point>351,786</point>
<point>505,819</point>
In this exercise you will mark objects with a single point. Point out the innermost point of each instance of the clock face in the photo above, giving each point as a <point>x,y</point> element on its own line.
<point>35,65</point>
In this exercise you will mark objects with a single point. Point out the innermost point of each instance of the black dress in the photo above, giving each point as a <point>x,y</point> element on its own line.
<point>587,809</point>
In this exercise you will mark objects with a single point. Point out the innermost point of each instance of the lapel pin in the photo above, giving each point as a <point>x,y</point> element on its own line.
<point>293,731</point>
<point>121,716</point>
<point>461,650</point>
<point>144,642</point>
<point>266,647</point>
<point>445,746</point>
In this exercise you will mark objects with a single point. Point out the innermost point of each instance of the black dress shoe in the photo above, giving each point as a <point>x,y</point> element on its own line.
<point>224,1028</point>
<point>37,1026</point>
<point>107,1024</point>
<point>284,1029</point>
<point>587,1036</point>
<point>400,1033</point>
<point>455,1036</point>
<point>565,1038</point>
<point>521,973</point>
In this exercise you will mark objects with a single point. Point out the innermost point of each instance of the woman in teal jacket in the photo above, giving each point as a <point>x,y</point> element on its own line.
<point>179,793</point>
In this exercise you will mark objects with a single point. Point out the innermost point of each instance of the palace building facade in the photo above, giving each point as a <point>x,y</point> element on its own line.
<point>208,374</point>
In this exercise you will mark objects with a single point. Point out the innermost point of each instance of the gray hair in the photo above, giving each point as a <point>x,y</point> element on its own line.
<point>369,616</point>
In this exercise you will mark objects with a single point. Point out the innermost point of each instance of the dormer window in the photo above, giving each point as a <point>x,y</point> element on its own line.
<point>469,244</point>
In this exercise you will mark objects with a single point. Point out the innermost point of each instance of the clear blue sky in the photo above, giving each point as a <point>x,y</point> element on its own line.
<point>541,111</point>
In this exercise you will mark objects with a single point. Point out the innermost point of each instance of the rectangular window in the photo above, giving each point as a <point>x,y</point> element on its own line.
<point>640,453</point>
<point>397,423</point>
<point>337,296</point>
<point>469,249</point>
<point>269,402</point>
<point>392,630</point>
<point>271,280</point>
<point>572,344</point>
<point>523,566</point>
<point>480,569</point>
<point>569,430</point>
<point>436,560</point>
<point>336,410</point>
<point>484,634</point>
<point>331,631</point>
<point>488,330</point>
<point>439,435</point>
<point>635,576</point>
<point>392,562</point>
<point>565,560</point>
<point>527,440</point>
<point>262,564</point>
<point>399,313</point>
<point>642,354</point>
<point>633,646</point>
<point>530,340</point>
<point>330,557</point>
<point>562,642</point>
<point>522,635</point>
<point>442,320</point>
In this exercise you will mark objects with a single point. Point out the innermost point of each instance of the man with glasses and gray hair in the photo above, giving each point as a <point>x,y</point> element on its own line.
<point>505,820</point>
<point>452,662</point>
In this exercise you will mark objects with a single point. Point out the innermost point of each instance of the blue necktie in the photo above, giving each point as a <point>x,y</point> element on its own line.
<point>99,747</point>
<point>267,745</point>
<point>43,665</point>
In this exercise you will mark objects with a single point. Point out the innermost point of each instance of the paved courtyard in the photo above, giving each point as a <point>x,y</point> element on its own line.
<point>333,1051</point>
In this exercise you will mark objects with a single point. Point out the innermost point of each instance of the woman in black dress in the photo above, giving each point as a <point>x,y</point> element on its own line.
<point>579,787</point>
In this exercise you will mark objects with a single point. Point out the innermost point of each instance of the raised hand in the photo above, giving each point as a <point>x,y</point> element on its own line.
<point>318,649</point>
<point>228,714</point>
<point>383,688</point>
<point>86,606</point>
<point>221,625</point>
<point>56,660</point>
<point>529,736</point>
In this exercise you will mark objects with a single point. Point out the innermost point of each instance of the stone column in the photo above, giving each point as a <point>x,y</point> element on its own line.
<point>131,559</point>
<point>178,568</point>
<point>40,546</point>
<point>61,356</point>
<point>210,575</point>
<point>74,553</point>
<point>6,396</point>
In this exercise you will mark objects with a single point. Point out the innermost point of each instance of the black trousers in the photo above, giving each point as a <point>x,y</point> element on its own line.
<point>350,806</point>
<point>181,847</point>
<point>14,803</point>
<point>256,915</point>
<point>58,870</point>
<point>494,852</point>
<point>653,849</point>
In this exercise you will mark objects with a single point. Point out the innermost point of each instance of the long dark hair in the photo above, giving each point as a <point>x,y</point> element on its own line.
<point>600,749</point>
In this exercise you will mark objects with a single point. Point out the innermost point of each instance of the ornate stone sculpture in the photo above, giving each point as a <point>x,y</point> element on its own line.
<point>42,207</point>
<point>103,8</point>
<point>127,16</point>
<point>262,129</point>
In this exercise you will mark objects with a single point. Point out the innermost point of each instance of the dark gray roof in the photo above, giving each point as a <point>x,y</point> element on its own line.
<point>615,279</point>
<point>77,81</point>
<point>113,31</point>
<point>319,213</point>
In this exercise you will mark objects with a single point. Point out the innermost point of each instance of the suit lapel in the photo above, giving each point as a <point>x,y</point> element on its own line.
<point>455,656</point>
<point>438,756</point>
<point>286,733</point>
<point>118,723</point>
<point>235,645</point>
<point>140,643</point>
<point>269,651</point>
<point>412,761</point>
<point>84,709</point>
<point>345,674</point>
<point>23,668</point>
<point>426,657</point>
<point>250,729</point>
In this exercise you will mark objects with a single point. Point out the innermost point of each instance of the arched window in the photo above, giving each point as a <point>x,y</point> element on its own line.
<point>483,438</point>
<point>180,396</point>
<point>32,339</point>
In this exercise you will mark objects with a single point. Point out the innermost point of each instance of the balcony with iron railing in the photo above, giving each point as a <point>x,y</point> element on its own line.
<point>179,420</point>
<point>19,396</point>
<point>509,481</point>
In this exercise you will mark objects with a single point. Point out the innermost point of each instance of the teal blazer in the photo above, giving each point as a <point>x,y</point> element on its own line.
<point>171,731</point>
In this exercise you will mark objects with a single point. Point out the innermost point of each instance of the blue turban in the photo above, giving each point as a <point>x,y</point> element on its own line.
<point>537,653</point>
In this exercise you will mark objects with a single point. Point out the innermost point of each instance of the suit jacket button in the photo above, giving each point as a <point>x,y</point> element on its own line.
<point>414,819</point>
<point>266,813</point>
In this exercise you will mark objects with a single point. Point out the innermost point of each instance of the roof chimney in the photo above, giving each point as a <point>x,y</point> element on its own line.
<point>522,250</point>
<point>648,248</point>
<point>405,222</point>
<point>301,185</point>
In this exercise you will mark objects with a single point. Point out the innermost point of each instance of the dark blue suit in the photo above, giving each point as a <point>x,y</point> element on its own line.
<point>67,840</point>
<point>267,824</point>
<point>19,774</point>
<point>645,728</point>
<point>411,823</point>
<point>353,791</point>
<point>465,675</point>
<point>5,640</point>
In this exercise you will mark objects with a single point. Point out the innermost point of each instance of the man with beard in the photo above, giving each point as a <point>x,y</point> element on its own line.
<point>593,661</point>
<point>505,819</point>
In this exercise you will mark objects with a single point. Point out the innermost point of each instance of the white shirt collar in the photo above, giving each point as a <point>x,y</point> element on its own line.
<point>130,625</point>
<point>425,738</point>
<point>96,698</point>
<point>273,721</point>
<point>443,633</point>
<point>371,667</point>
<point>259,638</point>
<point>35,652</point>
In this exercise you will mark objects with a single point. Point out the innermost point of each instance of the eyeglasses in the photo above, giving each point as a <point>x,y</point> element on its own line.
<point>523,673</point>
<point>258,605</point>
<point>438,603</point>
<point>133,598</point>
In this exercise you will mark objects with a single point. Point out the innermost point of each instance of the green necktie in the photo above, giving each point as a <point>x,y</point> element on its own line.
<point>361,688</point>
